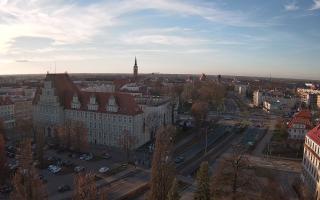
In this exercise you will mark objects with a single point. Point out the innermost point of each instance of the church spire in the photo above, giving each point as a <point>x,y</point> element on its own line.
<point>135,69</point>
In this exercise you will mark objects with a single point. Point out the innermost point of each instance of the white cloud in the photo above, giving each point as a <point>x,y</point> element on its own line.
<point>316,5</point>
<point>71,23</point>
<point>161,40</point>
<point>291,6</point>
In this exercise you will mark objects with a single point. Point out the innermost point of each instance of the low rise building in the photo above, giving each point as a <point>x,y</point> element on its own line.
<point>300,125</point>
<point>311,162</point>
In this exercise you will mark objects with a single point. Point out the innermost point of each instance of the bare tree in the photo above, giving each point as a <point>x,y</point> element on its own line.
<point>40,142</point>
<point>199,111</point>
<point>173,193</point>
<point>85,187</point>
<point>203,183</point>
<point>26,182</point>
<point>127,142</point>
<point>233,173</point>
<point>162,172</point>
<point>79,136</point>
<point>72,135</point>
<point>3,161</point>
<point>24,128</point>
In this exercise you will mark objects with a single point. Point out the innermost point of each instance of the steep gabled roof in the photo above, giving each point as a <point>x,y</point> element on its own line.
<point>65,89</point>
<point>302,117</point>
<point>314,134</point>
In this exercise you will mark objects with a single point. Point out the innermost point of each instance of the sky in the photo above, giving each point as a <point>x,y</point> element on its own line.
<point>280,38</point>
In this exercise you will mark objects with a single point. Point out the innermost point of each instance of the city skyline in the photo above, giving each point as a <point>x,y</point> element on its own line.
<point>250,38</point>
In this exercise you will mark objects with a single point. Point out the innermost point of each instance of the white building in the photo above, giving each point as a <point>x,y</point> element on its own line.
<point>311,161</point>
<point>157,112</point>
<point>257,98</point>
<point>241,89</point>
<point>7,112</point>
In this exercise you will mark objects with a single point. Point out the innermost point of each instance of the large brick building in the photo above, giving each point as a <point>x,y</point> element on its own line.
<point>106,115</point>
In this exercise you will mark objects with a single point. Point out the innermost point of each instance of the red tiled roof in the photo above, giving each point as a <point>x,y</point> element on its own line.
<point>314,134</point>
<point>65,89</point>
<point>302,117</point>
<point>5,101</point>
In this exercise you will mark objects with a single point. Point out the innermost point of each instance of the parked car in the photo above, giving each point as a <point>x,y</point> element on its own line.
<point>79,169</point>
<point>67,163</point>
<point>6,189</point>
<point>64,188</point>
<point>103,170</point>
<point>10,154</point>
<point>106,156</point>
<point>13,166</point>
<point>11,149</point>
<point>179,159</point>
<point>86,157</point>
<point>54,169</point>
<point>41,177</point>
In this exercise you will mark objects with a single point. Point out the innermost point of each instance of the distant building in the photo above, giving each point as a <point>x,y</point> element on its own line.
<point>135,69</point>
<point>303,93</point>
<point>257,98</point>
<point>100,88</point>
<point>299,125</point>
<point>312,101</point>
<point>311,160</point>
<point>7,112</point>
<point>241,90</point>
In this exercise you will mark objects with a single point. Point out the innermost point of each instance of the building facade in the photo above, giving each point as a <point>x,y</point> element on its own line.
<point>7,112</point>
<point>157,111</point>
<point>105,115</point>
<point>311,162</point>
<point>23,109</point>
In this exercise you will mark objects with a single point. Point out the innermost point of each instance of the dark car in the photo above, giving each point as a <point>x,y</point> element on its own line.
<point>6,189</point>
<point>44,180</point>
<point>179,159</point>
<point>10,154</point>
<point>11,149</point>
<point>106,156</point>
<point>64,188</point>
<point>67,163</point>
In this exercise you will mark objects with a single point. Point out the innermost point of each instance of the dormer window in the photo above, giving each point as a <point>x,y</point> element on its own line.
<point>75,102</point>
<point>112,105</point>
<point>93,103</point>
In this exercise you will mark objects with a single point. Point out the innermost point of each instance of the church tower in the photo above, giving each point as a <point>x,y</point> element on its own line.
<point>135,69</point>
